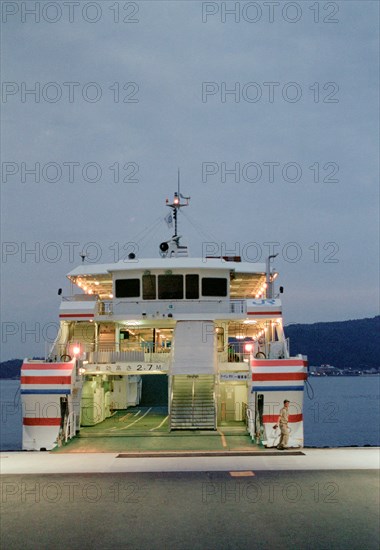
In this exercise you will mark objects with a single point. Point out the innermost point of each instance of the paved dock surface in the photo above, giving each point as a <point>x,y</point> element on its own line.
<point>323,499</point>
<point>312,459</point>
<point>192,510</point>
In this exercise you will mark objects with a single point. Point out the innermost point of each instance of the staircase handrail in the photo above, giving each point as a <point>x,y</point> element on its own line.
<point>215,408</point>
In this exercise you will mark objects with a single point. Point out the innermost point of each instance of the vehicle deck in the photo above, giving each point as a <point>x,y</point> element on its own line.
<point>146,430</point>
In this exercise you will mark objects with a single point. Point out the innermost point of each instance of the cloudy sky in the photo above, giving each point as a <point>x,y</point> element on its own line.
<point>269,109</point>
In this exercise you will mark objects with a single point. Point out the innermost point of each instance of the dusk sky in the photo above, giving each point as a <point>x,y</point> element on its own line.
<point>269,109</point>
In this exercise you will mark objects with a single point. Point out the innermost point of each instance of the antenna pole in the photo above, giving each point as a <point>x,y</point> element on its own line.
<point>176,204</point>
<point>175,220</point>
<point>173,247</point>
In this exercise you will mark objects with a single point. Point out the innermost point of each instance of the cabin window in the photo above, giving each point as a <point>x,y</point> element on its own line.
<point>214,286</point>
<point>170,287</point>
<point>149,287</point>
<point>192,287</point>
<point>127,288</point>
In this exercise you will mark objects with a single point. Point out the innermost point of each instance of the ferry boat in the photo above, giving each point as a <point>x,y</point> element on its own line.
<point>205,334</point>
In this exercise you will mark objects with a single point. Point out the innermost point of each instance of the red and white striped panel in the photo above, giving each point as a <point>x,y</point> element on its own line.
<point>42,387</point>
<point>277,374</point>
<point>47,377</point>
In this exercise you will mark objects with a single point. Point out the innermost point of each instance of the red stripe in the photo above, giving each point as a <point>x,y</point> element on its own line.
<point>45,379</point>
<point>278,362</point>
<point>76,315</point>
<point>47,366</point>
<point>279,376</point>
<point>269,418</point>
<point>42,421</point>
<point>264,312</point>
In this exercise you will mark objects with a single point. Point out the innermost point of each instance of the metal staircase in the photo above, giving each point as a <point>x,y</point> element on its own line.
<point>192,403</point>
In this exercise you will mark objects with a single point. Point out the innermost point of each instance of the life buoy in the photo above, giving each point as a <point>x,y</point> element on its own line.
<point>65,358</point>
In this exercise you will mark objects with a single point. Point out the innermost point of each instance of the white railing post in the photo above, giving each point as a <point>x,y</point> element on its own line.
<point>70,428</point>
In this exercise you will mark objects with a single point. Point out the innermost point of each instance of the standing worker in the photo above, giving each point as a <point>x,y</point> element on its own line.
<point>283,423</point>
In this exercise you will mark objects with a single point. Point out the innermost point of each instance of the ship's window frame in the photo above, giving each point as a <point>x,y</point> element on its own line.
<point>191,289</point>
<point>153,292</point>
<point>126,292</point>
<point>175,290</point>
<point>208,290</point>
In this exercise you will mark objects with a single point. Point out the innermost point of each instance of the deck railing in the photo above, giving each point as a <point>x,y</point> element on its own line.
<point>160,307</point>
<point>166,308</point>
<point>114,352</point>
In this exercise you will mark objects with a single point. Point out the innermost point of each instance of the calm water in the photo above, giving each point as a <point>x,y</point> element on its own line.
<point>344,411</point>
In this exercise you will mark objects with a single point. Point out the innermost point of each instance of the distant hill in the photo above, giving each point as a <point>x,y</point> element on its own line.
<point>343,344</point>
<point>11,368</point>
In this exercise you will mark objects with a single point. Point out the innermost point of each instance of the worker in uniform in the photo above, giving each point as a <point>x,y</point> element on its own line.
<point>282,421</point>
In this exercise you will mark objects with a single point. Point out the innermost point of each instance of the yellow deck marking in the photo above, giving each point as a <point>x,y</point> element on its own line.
<point>159,426</point>
<point>124,417</point>
<point>241,474</point>
<point>224,442</point>
<point>138,420</point>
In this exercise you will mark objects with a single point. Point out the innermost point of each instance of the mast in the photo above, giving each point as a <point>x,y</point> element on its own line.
<point>176,204</point>
<point>172,247</point>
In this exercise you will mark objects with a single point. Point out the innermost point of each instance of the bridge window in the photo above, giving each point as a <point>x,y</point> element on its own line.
<point>127,288</point>
<point>170,287</point>
<point>192,287</point>
<point>214,286</point>
<point>149,287</point>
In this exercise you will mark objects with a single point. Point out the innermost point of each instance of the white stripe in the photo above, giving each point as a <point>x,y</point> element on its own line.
<point>278,383</point>
<point>47,373</point>
<point>264,370</point>
<point>45,386</point>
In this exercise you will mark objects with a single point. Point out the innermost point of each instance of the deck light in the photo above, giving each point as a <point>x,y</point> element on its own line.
<point>248,347</point>
<point>76,350</point>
